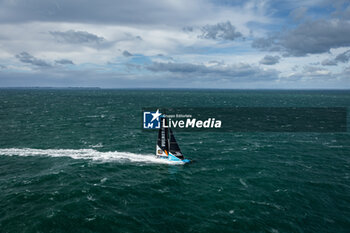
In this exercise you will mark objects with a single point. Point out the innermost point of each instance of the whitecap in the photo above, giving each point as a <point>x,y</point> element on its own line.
<point>243,183</point>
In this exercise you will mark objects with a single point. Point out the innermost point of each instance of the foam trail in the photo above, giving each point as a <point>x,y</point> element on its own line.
<point>89,154</point>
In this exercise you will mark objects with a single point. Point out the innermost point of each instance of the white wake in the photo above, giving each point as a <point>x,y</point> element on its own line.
<point>89,154</point>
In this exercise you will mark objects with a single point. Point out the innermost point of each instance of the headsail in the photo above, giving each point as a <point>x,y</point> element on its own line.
<point>174,147</point>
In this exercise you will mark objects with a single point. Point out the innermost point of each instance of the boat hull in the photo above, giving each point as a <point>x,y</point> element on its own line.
<point>171,157</point>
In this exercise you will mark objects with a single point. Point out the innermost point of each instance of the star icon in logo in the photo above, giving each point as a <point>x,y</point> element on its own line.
<point>156,115</point>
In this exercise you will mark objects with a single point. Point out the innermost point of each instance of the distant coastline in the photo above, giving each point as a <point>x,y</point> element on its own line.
<point>175,88</point>
<point>54,88</point>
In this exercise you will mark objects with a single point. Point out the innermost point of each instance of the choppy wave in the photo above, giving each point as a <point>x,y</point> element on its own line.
<point>89,154</point>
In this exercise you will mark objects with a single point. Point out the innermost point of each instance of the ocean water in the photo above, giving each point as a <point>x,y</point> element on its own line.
<point>78,161</point>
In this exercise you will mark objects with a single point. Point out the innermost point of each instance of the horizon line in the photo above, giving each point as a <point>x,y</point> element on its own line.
<point>165,88</point>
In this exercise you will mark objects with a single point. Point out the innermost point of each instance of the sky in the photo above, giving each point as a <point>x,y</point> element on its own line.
<point>234,44</point>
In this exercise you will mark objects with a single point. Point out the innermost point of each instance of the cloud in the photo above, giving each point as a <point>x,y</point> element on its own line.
<point>328,62</point>
<point>188,29</point>
<point>235,72</point>
<point>315,71</point>
<point>342,9</point>
<point>298,13</point>
<point>27,58</point>
<point>316,37</point>
<point>176,67</point>
<point>346,71</point>
<point>77,37</point>
<point>342,58</point>
<point>311,37</point>
<point>262,43</point>
<point>270,60</point>
<point>267,44</point>
<point>346,13</point>
<point>202,41</point>
<point>30,59</point>
<point>220,31</point>
<point>119,12</point>
<point>309,73</point>
<point>162,57</point>
<point>64,62</point>
<point>214,62</point>
<point>127,54</point>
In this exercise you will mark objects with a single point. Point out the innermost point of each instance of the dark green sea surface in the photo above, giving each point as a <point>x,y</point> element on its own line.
<point>78,161</point>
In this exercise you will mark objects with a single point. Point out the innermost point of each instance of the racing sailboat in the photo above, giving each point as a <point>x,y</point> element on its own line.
<point>167,147</point>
